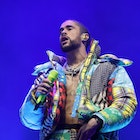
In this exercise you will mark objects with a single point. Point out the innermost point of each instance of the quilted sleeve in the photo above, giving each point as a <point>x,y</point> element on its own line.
<point>29,117</point>
<point>123,107</point>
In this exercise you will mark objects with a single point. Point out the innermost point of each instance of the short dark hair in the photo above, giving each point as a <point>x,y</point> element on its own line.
<point>83,29</point>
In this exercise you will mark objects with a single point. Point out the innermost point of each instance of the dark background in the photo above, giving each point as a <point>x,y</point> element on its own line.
<point>29,28</point>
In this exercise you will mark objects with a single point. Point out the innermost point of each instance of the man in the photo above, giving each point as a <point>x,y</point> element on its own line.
<point>92,97</point>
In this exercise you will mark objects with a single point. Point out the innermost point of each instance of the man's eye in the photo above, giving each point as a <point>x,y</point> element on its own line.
<point>61,30</point>
<point>69,28</point>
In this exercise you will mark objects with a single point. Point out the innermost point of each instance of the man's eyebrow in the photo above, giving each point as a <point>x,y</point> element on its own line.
<point>68,26</point>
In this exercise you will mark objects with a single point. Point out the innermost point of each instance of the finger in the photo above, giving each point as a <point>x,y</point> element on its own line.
<point>84,136</point>
<point>45,85</point>
<point>78,135</point>
<point>85,133</point>
<point>80,131</point>
<point>44,88</point>
<point>40,78</point>
<point>46,80</point>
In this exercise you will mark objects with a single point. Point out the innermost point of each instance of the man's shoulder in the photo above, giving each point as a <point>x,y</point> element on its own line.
<point>112,59</point>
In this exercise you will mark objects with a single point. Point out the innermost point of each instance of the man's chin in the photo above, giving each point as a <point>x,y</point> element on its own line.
<point>69,47</point>
<point>65,47</point>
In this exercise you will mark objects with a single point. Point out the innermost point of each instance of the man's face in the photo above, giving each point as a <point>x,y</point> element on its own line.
<point>70,36</point>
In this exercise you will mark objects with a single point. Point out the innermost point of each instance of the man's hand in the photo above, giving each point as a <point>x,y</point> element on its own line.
<point>44,86</point>
<point>89,129</point>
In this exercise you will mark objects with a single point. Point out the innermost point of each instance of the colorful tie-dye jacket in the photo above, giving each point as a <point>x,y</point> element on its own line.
<point>115,104</point>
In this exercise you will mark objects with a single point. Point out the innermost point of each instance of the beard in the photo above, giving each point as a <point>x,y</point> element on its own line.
<point>70,46</point>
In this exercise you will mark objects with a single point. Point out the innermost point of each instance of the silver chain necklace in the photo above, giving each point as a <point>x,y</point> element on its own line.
<point>73,71</point>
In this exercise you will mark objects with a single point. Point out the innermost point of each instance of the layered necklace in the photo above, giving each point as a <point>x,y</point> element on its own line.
<point>69,70</point>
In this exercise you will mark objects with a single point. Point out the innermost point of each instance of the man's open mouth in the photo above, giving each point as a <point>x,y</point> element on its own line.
<point>64,40</point>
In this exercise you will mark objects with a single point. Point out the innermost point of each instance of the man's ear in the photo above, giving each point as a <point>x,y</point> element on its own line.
<point>84,36</point>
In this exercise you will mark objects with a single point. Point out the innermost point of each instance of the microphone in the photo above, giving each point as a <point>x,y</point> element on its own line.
<point>53,74</point>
